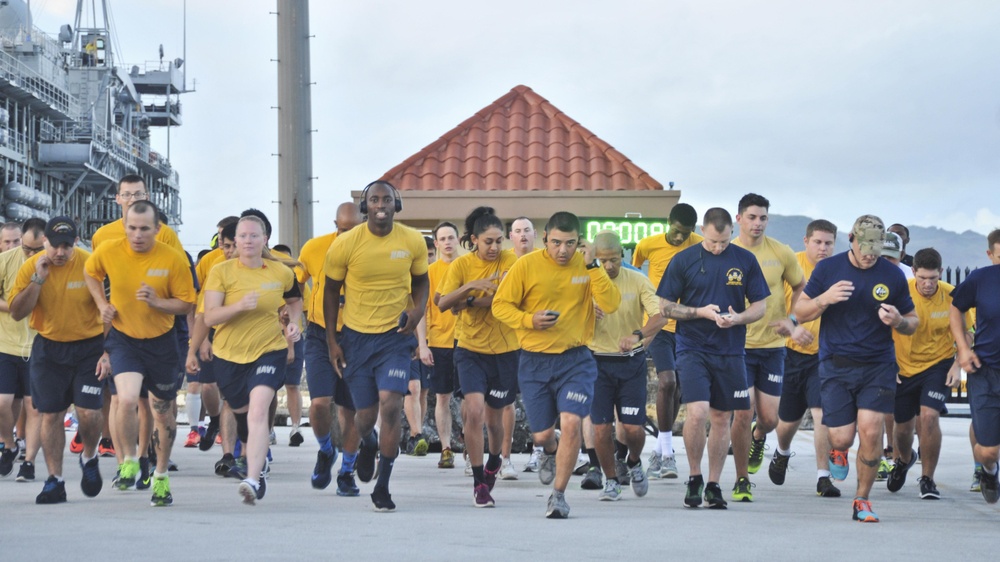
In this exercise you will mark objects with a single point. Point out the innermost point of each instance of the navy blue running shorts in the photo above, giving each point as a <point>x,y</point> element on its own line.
<point>323,381</point>
<point>64,373</point>
<point>154,358</point>
<point>15,377</point>
<point>444,378</point>
<point>663,351</point>
<point>765,369</point>
<point>800,388</point>
<point>376,362</point>
<point>493,376</point>
<point>720,380</point>
<point>236,380</point>
<point>621,385</point>
<point>984,403</point>
<point>847,386</point>
<point>555,383</point>
<point>923,389</point>
<point>293,372</point>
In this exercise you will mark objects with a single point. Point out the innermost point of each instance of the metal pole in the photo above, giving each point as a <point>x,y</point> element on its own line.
<point>295,218</point>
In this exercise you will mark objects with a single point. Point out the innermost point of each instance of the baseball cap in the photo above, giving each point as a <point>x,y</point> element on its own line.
<point>60,231</point>
<point>892,247</point>
<point>869,232</point>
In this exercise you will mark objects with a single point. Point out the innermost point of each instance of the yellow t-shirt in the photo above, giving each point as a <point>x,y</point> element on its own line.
<point>536,282</point>
<point>779,264</point>
<point>116,229</point>
<point>15,335</point>
<point>659,252</point>
<point>206,263</point>
<point>440,325</point>
<point>252,333</point>
<point>313,259</point>
<point>65,311</point>
<point>932,342</point>
<point>376,271</point>
<point>480,331</point>
<point>812,326</point>
<point>162,268</point>
<point>639,301</point>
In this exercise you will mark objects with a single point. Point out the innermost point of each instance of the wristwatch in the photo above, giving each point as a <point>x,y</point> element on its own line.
<point>638,334</point>
<point>470,300</point>
<point>36,279</point>
<point>594,264</point>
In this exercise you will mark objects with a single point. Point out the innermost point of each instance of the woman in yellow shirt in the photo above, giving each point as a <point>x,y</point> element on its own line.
<point>486,356</point>
<point>242,298</point>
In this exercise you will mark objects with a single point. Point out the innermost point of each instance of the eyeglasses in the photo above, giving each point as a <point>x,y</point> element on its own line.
<point>137,195</point>
<point>29,251</point>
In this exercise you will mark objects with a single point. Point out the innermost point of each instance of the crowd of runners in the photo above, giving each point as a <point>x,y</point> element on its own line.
<point>746,333</point>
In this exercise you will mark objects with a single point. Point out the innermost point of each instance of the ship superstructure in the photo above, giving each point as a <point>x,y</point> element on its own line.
<point>74,119</point>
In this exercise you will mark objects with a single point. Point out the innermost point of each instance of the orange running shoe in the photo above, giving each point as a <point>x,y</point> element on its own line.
<point>193,439</point>
<point>863,511</point>
<point>76,446</point>
<point>106,448</point>
<point>839,467</point>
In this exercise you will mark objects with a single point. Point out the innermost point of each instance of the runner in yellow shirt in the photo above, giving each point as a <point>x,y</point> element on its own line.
<point>151,283</point>
<point>50,288</point>
<point>486,355</point>
<point>378,266</point>
<point>546,297</point>
<point>16,337</point>
<point>242,299</point>
<point>131,189</point>
<point>441,339</point>
<point>659,250</point>
<point>324,384</point>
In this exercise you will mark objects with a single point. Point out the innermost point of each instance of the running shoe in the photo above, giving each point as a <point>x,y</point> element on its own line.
<point>592,480</point>
<point>447,459</point>
<point>295,438</point>
<point>273,438</point>
<point>582,464</point>
<point>346,486</point>
<point>145,475</point>
<point>976,478</point>
<point>884,469</point>
<point>741,490</point>
<point>193,439</point>
<point>668,467</point>
<point>7,457</point>
<point>532,464</point>
<point>211,434</point>
<point>118,474</point>
<point>127,474</point>
<point>557,506</point>
<point>622,473</point>
<point>757,447</point>
<point>106,448</point>
<point>639,483</point>
<point>223,465</point>
<point>54,491</point>
<point>546,468</point>
<point>161,492</point>
<point>26,473</point>
<point>826,489</point>
<point>695,488</point>
<point>838,464</point>
<point>928,490</point>
<point>368,453</point>
<point>897,476</point>
<point>252,491</point>
<point>778,467</point>
<point>420,446</point>
<point>863,511</point>
<point>713,496</point>
<point>655,466</point>
<point>91,483</point>
<point>507,470</point>
<point>612,492</point>
<point>490,477</point>
<point>23,448</point>
<point>76,445</point>
<point>481,496</point>
<point>323,471</point>
<point>989,486</point>
<point>239,468</point>
<point>382,500</point>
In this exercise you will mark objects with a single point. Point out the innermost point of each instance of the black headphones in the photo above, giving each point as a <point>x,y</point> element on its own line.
<point>363,207</point>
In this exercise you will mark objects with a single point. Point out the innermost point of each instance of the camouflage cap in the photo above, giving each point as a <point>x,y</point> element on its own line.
<point>869,233</point>
<point>892,247</point>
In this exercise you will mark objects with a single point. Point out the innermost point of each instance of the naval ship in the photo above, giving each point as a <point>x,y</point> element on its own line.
<point>74,119</point>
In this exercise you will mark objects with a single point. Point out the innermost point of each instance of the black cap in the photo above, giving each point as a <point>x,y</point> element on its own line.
<point>60,231</point>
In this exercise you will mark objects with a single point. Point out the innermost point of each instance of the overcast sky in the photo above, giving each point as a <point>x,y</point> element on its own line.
<point>829,109</point>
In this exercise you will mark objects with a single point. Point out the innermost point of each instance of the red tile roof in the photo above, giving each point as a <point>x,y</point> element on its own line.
<point>520,142</point>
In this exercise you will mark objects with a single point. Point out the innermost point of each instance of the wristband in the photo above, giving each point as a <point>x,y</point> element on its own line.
<point>469,301</point>
<point>794,321</point>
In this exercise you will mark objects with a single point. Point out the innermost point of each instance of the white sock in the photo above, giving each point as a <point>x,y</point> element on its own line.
<point>159,475</point>
<point>820,473</point>
<point>192,405</point>
<point>85,460</point>
<point>664,442</point>
<point>783,453</point>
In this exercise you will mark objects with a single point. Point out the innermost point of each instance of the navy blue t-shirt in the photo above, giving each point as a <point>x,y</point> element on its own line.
<point>696,278</point>
<point>853,328</point>
<point>981,289</point>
